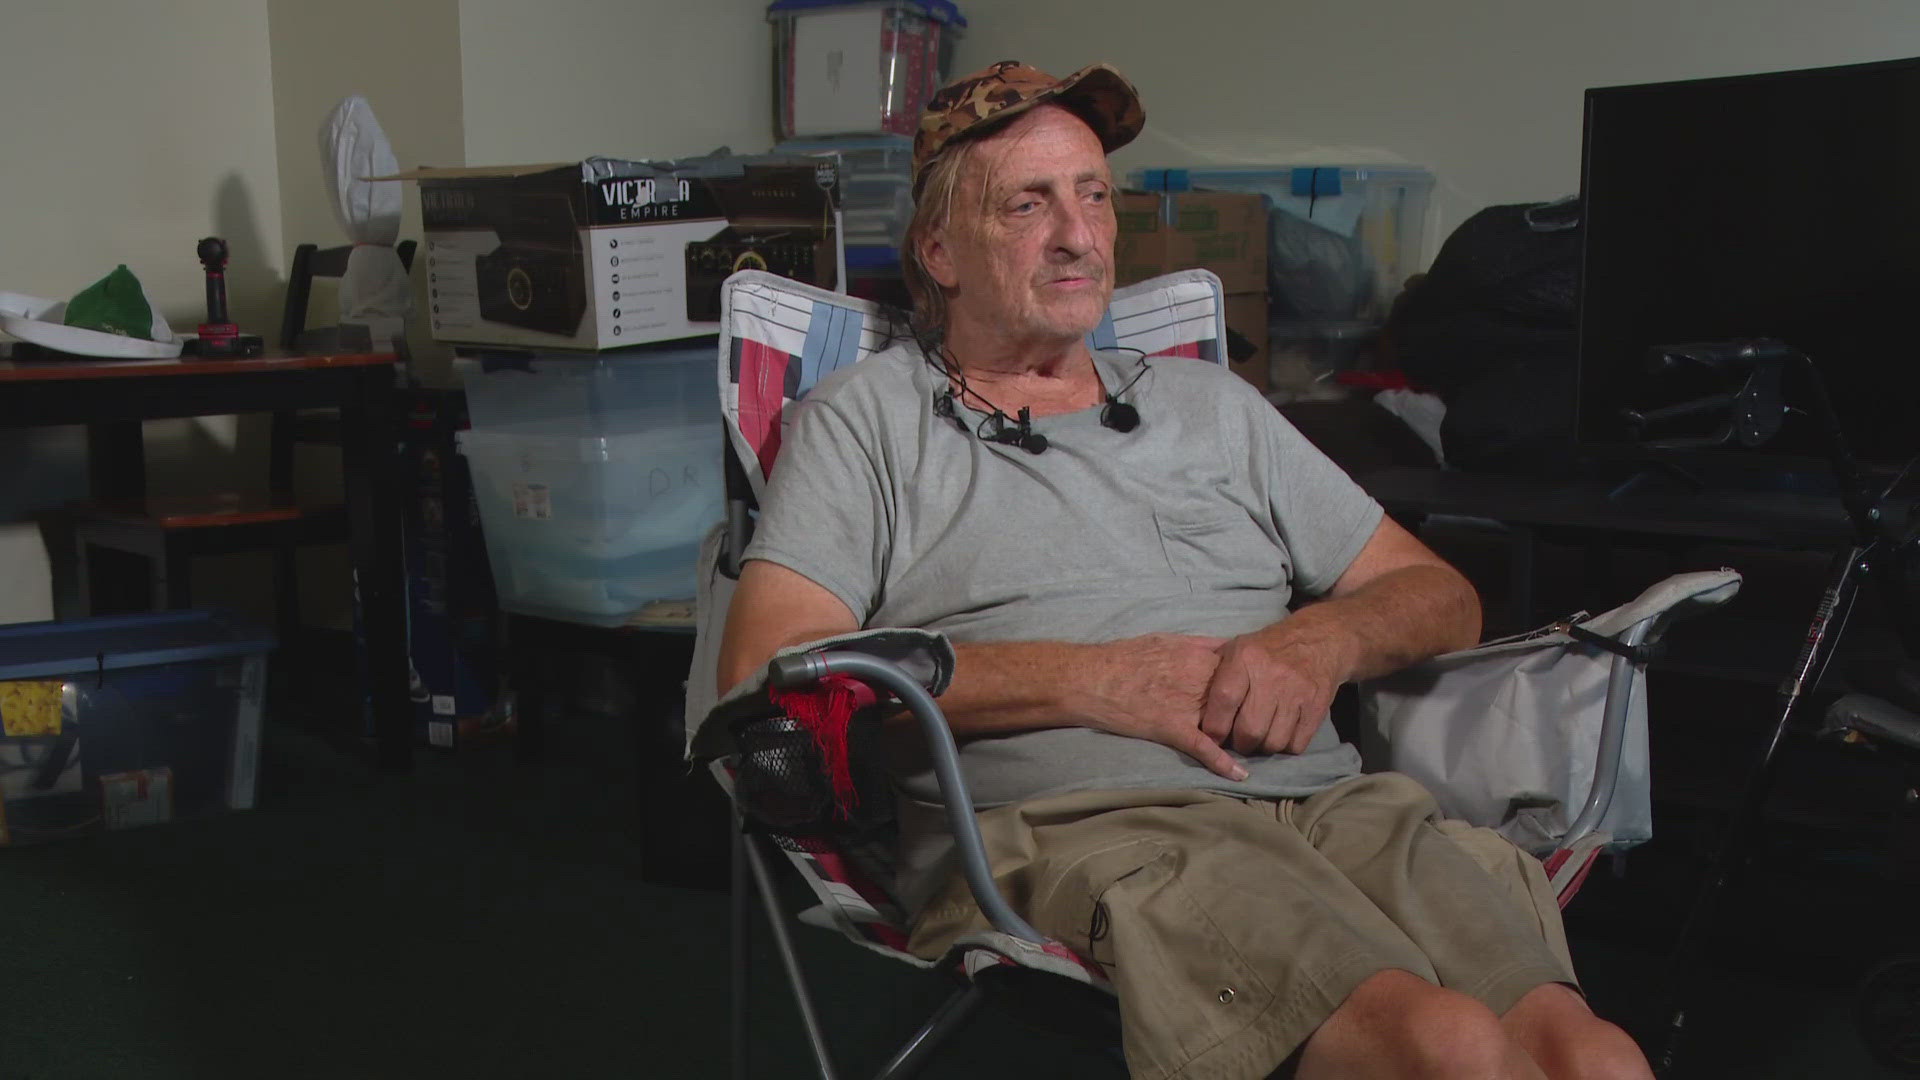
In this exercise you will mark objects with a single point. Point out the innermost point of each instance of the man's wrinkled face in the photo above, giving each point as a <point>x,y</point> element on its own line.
<point>1028,250</point>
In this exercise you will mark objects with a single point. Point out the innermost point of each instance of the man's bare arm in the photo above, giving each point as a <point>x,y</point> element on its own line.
<point>1150,687</point>
<point>1397,604</point>
<point>773,608</point>
<point>997,687</point>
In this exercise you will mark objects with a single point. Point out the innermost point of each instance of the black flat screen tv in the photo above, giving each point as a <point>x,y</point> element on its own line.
<point>1783,205</point>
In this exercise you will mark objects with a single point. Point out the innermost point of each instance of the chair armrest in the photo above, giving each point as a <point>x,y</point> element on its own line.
<point>1538,735</point>
<point>804,669</point>
<point>1646,619</point>
<point>1613,737</point>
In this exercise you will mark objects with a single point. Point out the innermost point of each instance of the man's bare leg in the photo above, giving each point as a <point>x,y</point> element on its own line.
<point>1398,1026</point>
<point>1555,1027</point>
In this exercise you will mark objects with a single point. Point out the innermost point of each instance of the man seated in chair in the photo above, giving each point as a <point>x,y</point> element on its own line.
<point>1111,544</point>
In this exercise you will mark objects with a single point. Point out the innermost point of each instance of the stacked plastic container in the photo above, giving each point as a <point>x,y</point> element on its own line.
<point>127,720</point>
<point>850,81</point>
<point>846,68</point>
<point>876,193</point>
<point>1341,242</point>
<point>595,475</point>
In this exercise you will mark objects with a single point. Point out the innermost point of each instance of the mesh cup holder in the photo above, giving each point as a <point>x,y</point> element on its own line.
<point>782,786</point>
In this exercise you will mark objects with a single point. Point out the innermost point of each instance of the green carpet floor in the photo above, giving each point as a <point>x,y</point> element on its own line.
<point>488,918</point>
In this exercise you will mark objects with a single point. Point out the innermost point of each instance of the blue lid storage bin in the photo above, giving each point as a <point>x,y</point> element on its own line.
<point>125,720</point>
<point>846,68</point>
<point>1341,240</point>
<point>595,476</point>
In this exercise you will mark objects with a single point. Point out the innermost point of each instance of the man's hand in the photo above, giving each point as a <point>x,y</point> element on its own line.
<point>1396,604</point>
<point>1154,687</point>
<point>1271,691</point>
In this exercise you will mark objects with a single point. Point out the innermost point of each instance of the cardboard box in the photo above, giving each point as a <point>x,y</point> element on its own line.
<point>1218,231</point>
<point>136,797</point>
<point>604,253</point>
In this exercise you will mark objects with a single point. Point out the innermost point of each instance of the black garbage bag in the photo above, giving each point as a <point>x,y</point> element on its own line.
<point>1492,328</point>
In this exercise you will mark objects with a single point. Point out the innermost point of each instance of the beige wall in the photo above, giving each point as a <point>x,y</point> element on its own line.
<point>133,129</point>
<point>561,79</point>
<point>409,71</point>
<point>1487,93</point>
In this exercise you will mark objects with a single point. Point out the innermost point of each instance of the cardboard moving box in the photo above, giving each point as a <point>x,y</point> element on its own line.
<point>604,253</point>
<point>1218,231</point>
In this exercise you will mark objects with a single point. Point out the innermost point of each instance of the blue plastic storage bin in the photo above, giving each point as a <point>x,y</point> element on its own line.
<point>125,720</point>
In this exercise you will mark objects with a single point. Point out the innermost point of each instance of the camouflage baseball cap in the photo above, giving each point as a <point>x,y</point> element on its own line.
<point>984,100</point>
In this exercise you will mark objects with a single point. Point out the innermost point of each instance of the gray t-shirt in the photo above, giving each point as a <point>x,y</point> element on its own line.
<point>1202,520</point>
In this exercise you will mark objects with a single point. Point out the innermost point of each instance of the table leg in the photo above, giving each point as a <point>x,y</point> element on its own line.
<point>117,472</point>
<point>530,675</point>
<point>368,458</point>
<point>116,460</point>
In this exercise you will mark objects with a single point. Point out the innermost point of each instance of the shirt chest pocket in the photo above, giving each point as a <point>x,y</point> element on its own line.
<point>1225,548</point>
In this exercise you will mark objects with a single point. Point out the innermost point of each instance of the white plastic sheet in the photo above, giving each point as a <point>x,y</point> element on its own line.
<point>375,292</point>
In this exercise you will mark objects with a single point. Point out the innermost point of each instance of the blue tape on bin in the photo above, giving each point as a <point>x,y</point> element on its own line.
<point>872,257</point>
<point>1165,180</point>
<point>1312,182</point>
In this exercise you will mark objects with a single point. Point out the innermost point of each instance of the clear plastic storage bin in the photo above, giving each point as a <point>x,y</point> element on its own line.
<point>595,477</point>
<point>127,720</point>
<point>582,394</point>
<point>1305,358</point>
<point>844,68</point>
<point>1341,241</point>
<point>593,529</point>
<point>876,185</point>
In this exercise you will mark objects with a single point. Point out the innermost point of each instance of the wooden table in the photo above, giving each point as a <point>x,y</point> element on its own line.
<point>112,397</point>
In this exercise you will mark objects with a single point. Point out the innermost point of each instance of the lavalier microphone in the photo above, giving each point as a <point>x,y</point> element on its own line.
<point>1119,415</point>
<point>1021,434</point>
<point>1115,415</point>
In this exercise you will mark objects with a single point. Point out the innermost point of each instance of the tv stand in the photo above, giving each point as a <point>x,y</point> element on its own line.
<point>1650,502</point>
<point>1655,473</point>
<point>1694,475</point>
<point>1601,511</point>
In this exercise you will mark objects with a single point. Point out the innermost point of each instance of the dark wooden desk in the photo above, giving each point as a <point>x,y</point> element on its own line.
<point>1776,520</point>
<point>112,397</point>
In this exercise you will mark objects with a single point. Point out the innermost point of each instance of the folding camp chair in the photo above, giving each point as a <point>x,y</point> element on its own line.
<point>778,339</point>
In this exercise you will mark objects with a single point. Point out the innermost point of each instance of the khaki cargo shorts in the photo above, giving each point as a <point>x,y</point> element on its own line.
<point>1232,927</point>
